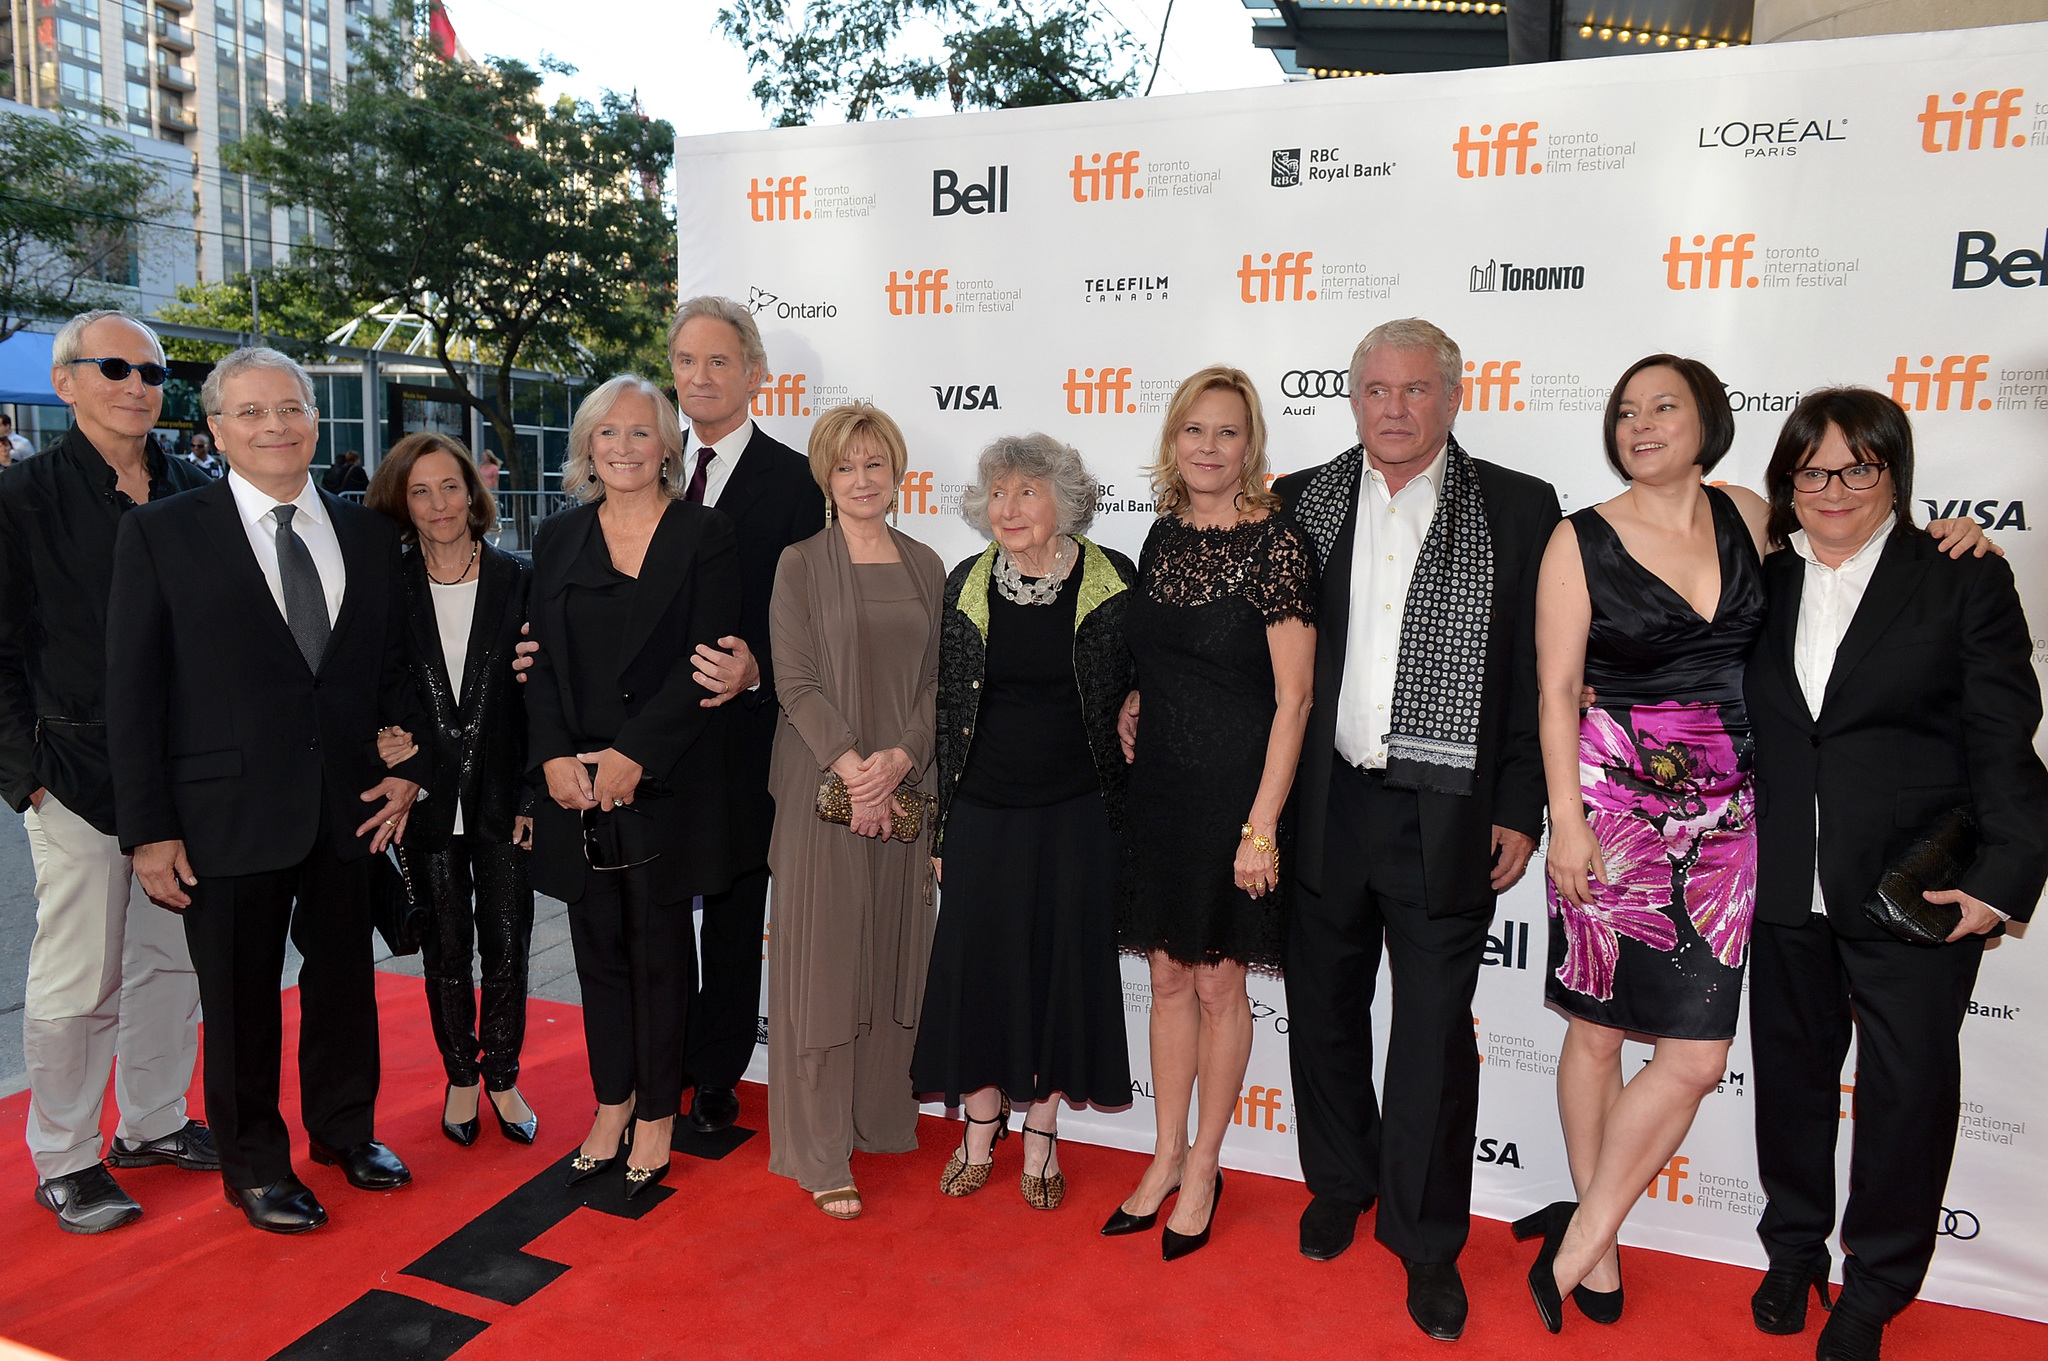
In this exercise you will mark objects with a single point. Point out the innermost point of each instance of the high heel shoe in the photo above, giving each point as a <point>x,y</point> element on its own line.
<point>1174,1246</point>
<point>1779,1304</point>
<point>1601,1306</point>
<point>639,1179</point>
<point>518,1131</point>
<point>464,1133</point>
<point>583,1167</point>
<point>1044,1192</point>
<point>1122,1221</point>
<point>1551,1221</point>
<point>963,1178</point>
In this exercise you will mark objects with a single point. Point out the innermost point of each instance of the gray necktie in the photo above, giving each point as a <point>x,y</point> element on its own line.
<point>305,599</point>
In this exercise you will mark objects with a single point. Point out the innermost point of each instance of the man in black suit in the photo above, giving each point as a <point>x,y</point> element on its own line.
<point>1419,798</point>
<point>254,651</point>
<point>766,489</point>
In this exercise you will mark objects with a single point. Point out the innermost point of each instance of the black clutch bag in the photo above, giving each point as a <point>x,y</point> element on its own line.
<point>401,921</point>
<point>1936,859</point>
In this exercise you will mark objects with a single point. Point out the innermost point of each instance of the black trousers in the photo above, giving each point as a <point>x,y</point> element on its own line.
<point>725,1007</point>
<point>236,927</point>
<point>636,960</point>
<point>1808,986</point>
<point>1413,1150</point>
<point>481,902</point>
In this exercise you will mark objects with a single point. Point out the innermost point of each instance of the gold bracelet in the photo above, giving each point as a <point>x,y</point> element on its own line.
<point>1260,843</point>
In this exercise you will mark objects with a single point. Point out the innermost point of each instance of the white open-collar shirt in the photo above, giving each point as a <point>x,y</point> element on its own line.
<point>1391,528</point>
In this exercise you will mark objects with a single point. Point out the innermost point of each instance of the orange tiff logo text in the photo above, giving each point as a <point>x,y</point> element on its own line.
<point>1911,387</point>
<point>778,200</point>
<point>1099,392</point>
<point>1277,279</point>
<point>1099,180</point>
<point>781,395</point>
<point>918,292</point>
<point>1257,1108</point>
<point>918,495</point>
<point>1487,154</point>
<point>1683,268</point>
<point>1942,129</point>
<point>1494,384</point>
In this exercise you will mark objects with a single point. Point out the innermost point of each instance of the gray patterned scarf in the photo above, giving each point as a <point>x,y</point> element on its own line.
<point>1440,677</point>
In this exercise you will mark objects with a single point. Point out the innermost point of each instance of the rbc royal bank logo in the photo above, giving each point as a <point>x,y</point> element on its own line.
<point>920,291</point>
<point>1710,266</point>
<point>781,394</point>
<point>1096,180</point>
<point>1487,154</point>
<point>1958,375</point>
<point>778,200</point>
<point>1099,392</point>
<point>1941,129</point>
<point>1493,384</point>
<point>1281,278</point>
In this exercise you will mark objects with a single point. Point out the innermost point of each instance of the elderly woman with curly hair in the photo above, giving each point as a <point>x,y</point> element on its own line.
<point>1023,998</point>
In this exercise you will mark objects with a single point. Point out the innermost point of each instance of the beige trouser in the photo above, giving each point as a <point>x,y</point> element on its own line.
<point>109,976</point>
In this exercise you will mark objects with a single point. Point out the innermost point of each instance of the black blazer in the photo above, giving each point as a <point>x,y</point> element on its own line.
<point>1457,832</point>
<point>773,502</point>
<point>476,740</point>
<point>219,733</point>
<point>1932,703</point>
<point>688,594</point>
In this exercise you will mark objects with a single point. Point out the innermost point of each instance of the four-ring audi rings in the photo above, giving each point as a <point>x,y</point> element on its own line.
<point>1960,1225</point>
<point>1313,383</point>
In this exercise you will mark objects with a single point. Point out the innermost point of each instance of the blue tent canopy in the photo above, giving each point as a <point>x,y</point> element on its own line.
<point>25,369</point>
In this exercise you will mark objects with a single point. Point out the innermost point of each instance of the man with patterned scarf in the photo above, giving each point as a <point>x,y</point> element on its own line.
<point>1420,797</point>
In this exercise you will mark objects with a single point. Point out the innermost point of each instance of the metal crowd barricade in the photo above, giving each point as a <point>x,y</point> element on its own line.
<point>519,514</point>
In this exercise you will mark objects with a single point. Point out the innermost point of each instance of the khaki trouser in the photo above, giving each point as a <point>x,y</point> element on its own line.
<point>109,976</point>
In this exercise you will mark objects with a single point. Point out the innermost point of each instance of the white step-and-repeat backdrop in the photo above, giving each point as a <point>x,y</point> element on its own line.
<point>1869,211</point>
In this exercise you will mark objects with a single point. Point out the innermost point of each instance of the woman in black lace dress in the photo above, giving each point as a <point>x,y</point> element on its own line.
<point>1223,630</point>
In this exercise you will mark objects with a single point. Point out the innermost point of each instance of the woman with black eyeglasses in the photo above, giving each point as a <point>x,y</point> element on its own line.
<point>626,586</point>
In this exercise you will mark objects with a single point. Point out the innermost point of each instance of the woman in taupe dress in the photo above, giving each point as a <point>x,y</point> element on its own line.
<point>855,625</point>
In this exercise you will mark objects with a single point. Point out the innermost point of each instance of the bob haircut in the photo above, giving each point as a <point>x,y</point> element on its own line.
<point>390,488</point>
<point>244,359</point>
<point>840,428</point>
<point>1041,458</point>
<point>1876,430</point>
<point>1409,333</point>
<point>1709,394</point>
<point>732,314</point>
<point>1168,486</point>
<point>579,470</point>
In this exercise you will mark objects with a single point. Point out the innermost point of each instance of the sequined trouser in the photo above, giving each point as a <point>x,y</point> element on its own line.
<point>480,900</point>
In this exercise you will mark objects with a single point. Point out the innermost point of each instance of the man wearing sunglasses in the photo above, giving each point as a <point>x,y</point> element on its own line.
<point>109,974</point>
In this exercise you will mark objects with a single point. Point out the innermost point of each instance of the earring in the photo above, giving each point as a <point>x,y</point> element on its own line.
<point>895,502</point>
<point>828,512</point>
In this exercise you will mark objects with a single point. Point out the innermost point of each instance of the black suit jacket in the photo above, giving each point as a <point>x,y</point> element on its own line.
<point>476,740</point>
<point>1457,832</point>
<point>688,594</point>
<point>1932,702</point>
<point>773,502</point>
<point>220,735</point>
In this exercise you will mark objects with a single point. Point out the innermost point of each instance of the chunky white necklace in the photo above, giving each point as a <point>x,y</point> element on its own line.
<point>1015,589</point>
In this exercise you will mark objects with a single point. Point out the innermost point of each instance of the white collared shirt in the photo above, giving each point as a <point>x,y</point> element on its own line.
<point>1828,598</point>
<point>311,524</point>
<point>1391,528</point>
<point>725,456</point>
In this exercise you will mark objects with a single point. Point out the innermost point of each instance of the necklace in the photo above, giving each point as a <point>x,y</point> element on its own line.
<point>474,549</point>
<point>1015,589</point>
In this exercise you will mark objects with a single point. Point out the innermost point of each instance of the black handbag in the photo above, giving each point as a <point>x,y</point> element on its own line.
<point>401,921</point>
<point>1935,859</point>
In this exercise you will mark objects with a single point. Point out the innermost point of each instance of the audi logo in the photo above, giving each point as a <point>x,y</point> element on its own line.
<point>1960,1225</point>
<point>1313,383</point>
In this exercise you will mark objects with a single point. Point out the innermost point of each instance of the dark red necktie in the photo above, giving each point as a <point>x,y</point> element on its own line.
<point>695,494</point>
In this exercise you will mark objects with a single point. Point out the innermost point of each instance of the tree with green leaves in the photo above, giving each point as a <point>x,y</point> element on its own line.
<point>451,191</point>
<point>74,204</point>
<point>298,308</point>
<point>864,59</point>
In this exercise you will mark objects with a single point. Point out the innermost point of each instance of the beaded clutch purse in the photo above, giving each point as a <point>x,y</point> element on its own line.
<point>909,810</point>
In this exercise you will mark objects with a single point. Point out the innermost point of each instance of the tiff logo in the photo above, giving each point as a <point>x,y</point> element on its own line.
<point>918,495</point>
<point>1942,129</point>
<point>1496,378</point>
<point>780,201</point>
<point>1274,279</point>
<point>1956,371</point>
<point>1671,1174</point>
<point>1474,162</point>
<point>1682,267</point>
<point>1099,180</point>
<point>783,395</point>
<point>1254,1101</point>
<point>1100,393</point>
<point>921,291</point>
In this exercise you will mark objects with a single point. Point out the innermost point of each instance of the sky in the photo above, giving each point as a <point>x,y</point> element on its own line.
<point>671,52</point>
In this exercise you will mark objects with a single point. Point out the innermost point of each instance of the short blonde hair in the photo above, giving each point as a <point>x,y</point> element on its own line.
<point>839,428</point>
<point>579,470</point>
<point>1168,486</point>
<point>1409,333</point>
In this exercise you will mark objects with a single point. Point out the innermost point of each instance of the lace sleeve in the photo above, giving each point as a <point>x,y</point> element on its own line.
<point>1285,584</point>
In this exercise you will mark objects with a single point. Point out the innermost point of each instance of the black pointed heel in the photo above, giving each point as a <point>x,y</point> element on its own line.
<point>1121,1221</point>
<point>518,1131</point>
<point>582,1168</point>
<point>463,1134</point>
<point>1601,1306</point>
<point>1174,1246</point>
<point>1551,1221</point>
<point>639,1179</point>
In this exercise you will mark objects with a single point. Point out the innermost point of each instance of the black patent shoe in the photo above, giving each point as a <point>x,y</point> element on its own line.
<point>88,1201</point>
<point>1779,1305</point>
<point>713,1109</point>
<point>287,1205</point>
<point>1601,1306</point>
<point>1551,1221</point>
<point>639,1179</point>
<point>189,1148</point>
<point>1436,1299</point>
<point>369,1166</point>
<point>1174,1246</point>
<point>1122,1221</point>
<point>518,1131</point>
<point>464,1133</point>
<point>583,1167</point>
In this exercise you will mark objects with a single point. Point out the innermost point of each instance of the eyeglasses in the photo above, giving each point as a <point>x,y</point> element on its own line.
<point>594,853</point>
<point>1856,477</point>
<point>117,370</point>
<point>290,411</point>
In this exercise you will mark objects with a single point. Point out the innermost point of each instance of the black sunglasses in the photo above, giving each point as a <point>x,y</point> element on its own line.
<point>593,845</point>
<point>115,370</point>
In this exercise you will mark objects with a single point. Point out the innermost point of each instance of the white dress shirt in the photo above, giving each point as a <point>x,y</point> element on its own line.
<point>1391,528</point>
<point>725,456</point>
<point>311,524</point>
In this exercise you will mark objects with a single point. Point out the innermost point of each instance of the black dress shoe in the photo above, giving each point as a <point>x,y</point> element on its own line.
<point>1779,1304</point>
<point>518,1131</point>
<point>1327,1227</point>
<point>1121,1222</point>
<point>368,1166</point>
<point>464,1133</point>
<point>1852,1334</point>
<point>88,1201</point>
<point>1436,1298</point>
<point>190,1148</point>
<point>287,1205</point>
<point>713,1109</point>
<point>1174,1246</point>
<point>639,1179</point>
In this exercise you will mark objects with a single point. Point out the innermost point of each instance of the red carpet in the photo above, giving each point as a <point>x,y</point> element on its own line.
<point>729,1261</point>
